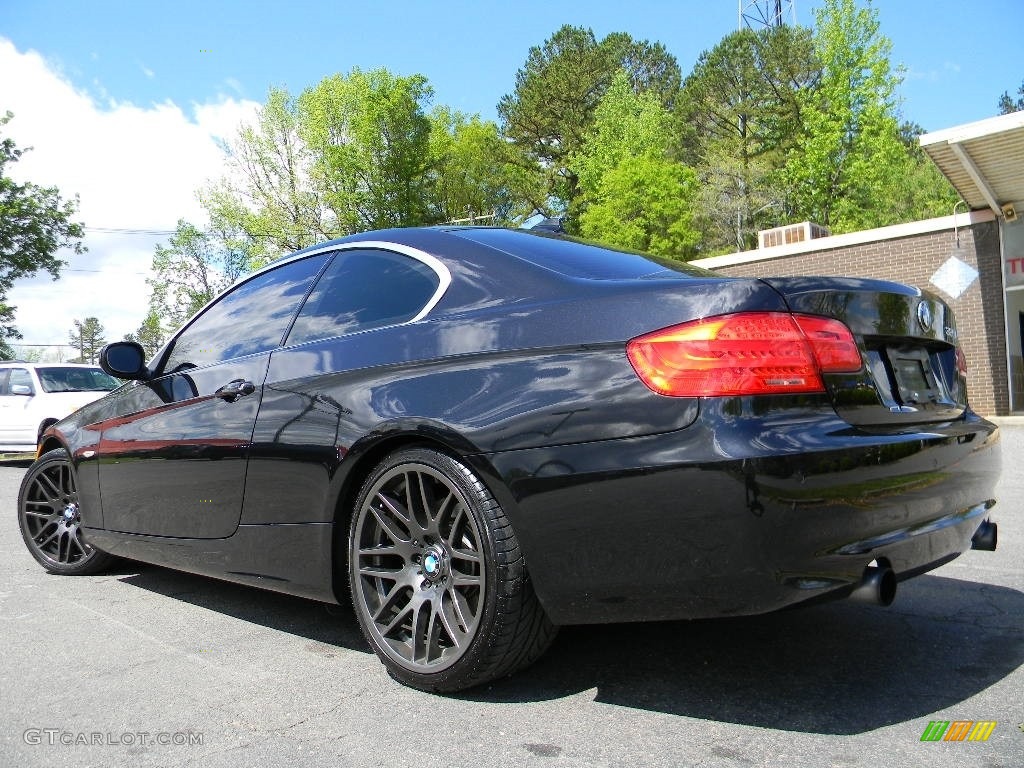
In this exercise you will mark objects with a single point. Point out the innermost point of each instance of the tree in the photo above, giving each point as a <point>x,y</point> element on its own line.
<point>346,155</point>
<point>849,143</point>
<point>369,134</point>
<point>7,329</point>
<point>150,334</point>
<point>267,195</point>
<point>557,91</point>
<point>917,189</point>
<point>633,193</point>
<point>1007,104</point>
<point>88,338</point>
<point>739,110</point>
<point>471,172</point>
<point>35,222</point>
<point>194,268</point>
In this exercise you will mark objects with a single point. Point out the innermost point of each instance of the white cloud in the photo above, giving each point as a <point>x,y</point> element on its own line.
<point>234,85</point>
<point>133,168</point>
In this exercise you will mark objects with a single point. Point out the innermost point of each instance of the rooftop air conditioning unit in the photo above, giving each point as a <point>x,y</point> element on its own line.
<point>791,233</point>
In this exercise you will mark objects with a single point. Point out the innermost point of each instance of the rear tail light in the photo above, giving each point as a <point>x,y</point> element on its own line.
<point>749,353</point>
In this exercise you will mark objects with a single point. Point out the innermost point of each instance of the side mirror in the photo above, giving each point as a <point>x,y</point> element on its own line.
<point>21,389</point>
<point>125,360</point>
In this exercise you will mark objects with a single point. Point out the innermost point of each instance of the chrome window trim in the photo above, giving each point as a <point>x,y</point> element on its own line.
<point>440,269</point>
<point>444,275</point>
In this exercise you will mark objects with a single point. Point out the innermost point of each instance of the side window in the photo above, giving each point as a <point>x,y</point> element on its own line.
<point>21,377</point>
<point>364,289</point>
<point>250,318</point>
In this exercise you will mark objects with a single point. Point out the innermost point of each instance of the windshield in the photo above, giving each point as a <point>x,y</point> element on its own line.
<point>68,379</point>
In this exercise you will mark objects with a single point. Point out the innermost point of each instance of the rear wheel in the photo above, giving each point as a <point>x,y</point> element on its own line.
<point>50,518</point>
<point>438,582</point>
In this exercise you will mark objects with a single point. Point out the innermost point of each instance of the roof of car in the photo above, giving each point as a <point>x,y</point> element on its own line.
<point>553,252</point>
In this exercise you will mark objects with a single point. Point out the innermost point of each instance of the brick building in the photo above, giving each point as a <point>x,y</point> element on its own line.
<point>973,259</point>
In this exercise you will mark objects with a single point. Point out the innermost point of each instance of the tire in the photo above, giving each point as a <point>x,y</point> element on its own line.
<point>438,581</point>
<point>50,518</point>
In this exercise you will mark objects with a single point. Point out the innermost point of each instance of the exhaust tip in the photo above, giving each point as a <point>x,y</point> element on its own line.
<point>986,537</point>
<point>878,586</point>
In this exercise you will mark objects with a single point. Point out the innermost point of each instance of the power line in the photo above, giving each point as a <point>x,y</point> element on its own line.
<point>129,231</point>
<point>107,271</point>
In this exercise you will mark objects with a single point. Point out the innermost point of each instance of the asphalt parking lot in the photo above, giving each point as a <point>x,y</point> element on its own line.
<point>148,667</point>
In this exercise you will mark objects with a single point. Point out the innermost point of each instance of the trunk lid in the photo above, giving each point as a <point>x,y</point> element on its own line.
<point>913,369</point>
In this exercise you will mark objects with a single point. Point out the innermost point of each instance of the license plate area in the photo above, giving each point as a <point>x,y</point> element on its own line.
<point>913,380</point>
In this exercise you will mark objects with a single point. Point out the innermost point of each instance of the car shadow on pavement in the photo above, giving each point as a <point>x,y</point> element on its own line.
<point>839,668</point>
<point>331,624</point>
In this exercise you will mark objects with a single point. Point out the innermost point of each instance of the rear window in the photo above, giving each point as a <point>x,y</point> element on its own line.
<point>576,258</point>
<point>66,379</point>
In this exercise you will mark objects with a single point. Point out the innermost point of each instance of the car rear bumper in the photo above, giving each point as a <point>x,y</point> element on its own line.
<point>742,513</point>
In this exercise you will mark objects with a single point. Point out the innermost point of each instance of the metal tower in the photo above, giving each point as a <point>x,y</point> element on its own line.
<point>758,14</point>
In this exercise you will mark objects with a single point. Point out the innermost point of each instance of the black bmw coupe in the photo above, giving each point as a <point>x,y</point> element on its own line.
<point>479,434</point>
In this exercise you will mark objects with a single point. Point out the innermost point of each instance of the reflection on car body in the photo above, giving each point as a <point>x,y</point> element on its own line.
<point>479,434</point>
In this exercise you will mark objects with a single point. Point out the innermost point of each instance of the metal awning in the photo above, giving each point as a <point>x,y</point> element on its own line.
<point>984,161</point>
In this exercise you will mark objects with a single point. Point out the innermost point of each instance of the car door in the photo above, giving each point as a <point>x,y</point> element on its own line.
<point>18,392</point>
<point>173,461</point>
<point>305,413</point>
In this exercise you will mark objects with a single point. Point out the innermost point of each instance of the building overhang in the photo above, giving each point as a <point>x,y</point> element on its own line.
<point>984,161</point>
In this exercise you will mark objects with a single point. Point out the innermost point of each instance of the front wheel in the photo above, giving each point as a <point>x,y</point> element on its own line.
<point>50,518</point>
<point>438,582</point>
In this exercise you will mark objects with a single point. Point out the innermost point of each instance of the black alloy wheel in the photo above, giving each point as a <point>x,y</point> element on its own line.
<point>50,518</point>
<point>438,582</point>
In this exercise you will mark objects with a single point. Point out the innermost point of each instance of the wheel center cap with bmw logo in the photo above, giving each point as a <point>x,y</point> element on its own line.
<point>433,564</point>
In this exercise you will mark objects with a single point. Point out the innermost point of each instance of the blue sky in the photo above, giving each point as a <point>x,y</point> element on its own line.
<point>121,99</point>
<point>959,56</point>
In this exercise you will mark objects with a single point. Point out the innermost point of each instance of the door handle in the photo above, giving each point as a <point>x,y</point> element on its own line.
<point>235,389</point>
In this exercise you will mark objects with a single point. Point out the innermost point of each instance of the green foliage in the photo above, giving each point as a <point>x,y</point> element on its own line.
<point>1008,104</point>
<point>471,173</point>
<point>87,337</point>
<point>557,91</point>
<point>633,194</point>
<point>916,188</point>
<point>192,270</point>
<point>151,334</point>
<point>740,109</point>
<point>849,141</point>
<point>266,196</point>
<point>35,222</point>
<point>645,204</point>
<point>349,154</point>
<point>7,330</point>
<point>368,136</point>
